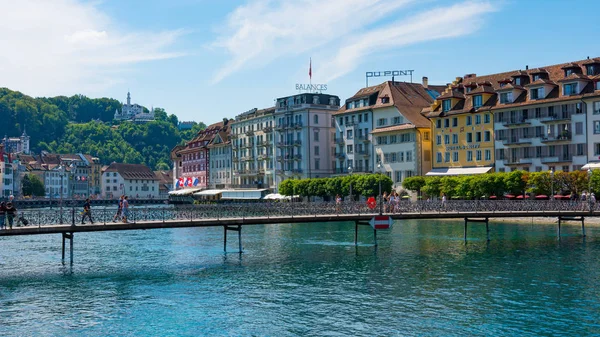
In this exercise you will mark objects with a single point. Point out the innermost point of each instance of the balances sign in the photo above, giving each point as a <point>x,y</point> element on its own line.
<point>311,87</point>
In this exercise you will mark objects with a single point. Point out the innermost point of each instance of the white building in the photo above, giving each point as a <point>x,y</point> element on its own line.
<point>383,123</point>
<point>253,162</point>
<point>133,180</point>
<point>134,112</point>
<point>304,135</point>
<point>17,144</point>
<point>220,158</point>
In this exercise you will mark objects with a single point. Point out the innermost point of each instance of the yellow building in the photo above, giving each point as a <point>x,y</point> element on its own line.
<point>463,128</point>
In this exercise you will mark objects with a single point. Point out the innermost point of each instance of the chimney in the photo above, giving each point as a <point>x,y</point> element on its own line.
<point>470,75</point>
<point>225,121</point>
<point>526,67</point>
<point>425,82</point>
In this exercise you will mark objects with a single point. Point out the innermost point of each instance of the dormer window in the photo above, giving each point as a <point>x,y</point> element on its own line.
<point>569,72</point>
<point>477,101</point>
<point>349,105</point>
<point>570,89</point>
<point>468,89</point>
<point>591,69</point>
<point>446,105</point>
<point>536,77</point>
<point>537,93</point>
<point>517,81</point>
<point>385,100</point>
<point>506,97</point>
<point>502,84</point>
<point>597,86</point>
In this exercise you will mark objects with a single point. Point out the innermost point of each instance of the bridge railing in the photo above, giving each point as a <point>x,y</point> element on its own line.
<point>41,217</point>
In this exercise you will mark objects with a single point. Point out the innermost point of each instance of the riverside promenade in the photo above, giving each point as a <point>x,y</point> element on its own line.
<point>232,217</point>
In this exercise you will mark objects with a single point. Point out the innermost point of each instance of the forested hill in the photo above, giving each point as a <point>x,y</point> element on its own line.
<point>81,124</point>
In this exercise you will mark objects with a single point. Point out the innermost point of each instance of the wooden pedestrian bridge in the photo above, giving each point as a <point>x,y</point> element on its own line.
<point>232,217</point>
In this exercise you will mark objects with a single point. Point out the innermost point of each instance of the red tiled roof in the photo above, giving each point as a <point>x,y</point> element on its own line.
<point>406,126</point>
<point>555,74</point>
<point>132,171</point>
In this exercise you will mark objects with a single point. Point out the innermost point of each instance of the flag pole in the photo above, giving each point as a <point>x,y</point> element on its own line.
<point>310,73</point>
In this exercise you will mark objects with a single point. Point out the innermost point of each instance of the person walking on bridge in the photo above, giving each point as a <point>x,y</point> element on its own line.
<point>11,211</point>
<point>125,209</point>
<point>87,212</point>
<point>119,209</point>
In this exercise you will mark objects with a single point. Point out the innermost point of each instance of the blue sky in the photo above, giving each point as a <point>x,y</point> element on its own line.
<point>204,60</point>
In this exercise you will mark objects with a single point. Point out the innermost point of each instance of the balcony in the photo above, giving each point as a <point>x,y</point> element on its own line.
<point>297,143</point>
<point>297,171</point>
<point>516,141</point>
<point>281,127</point>
<point>267,129</point>
<point>339,140</point>
<point>279,172</point>
<point>298,157</point>
<point>557,159</point>
<point>235,159</point>
<point>279,158</point>
<point>264,143</point>
<point>247,145</point>
<point>563,139</point>
<point>233,136</point>
<point>263,157</point>
<point>555,119</point>
<point>248,158</point>
<point>363,139</point>
<point>517,161</point>
<point>298,125</point>
<point>340,155</point>
<point>363,153</point>
<point>516,122</point>
<point>250,133</point>
<point>261,171</point>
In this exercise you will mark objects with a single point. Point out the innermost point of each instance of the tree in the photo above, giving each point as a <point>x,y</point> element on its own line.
<point>515,182</point>
<point>33,185</point>
<point>433,187</point>
<point>286,187</point>
<point>414,183</point>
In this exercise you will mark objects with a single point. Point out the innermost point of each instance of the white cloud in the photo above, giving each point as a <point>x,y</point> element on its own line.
<point>66,47</point>
<point>350,30</point>
<point>264,30</point>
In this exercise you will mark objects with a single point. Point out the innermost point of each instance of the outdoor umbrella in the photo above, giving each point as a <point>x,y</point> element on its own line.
<point>541,196</point>
<point>520,196</point>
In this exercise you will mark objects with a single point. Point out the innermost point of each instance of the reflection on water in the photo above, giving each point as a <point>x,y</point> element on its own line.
<point>305,280</point>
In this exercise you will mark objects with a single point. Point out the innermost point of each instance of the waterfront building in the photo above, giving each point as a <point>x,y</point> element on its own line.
<point>165,183</point>
<point>133,180</point>
<point>17,144</point>
<point>304,136</point>
<point>591,101</point>
<point>192,162</point>
<point>253,148</point>
<point>291,140</point>
<point>220,159</point>
<point>133,112</point>
<point>6,173</point>
<point>463,127</point>
<point>383,124</point>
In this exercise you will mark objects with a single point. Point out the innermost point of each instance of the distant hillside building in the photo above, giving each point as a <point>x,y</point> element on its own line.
<point>185,125</point>
<point>133,112</point>
<point>16,144</point>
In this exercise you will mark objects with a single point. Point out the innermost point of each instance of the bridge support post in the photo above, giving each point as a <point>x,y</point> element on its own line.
<point>558,227</point>
<point>562,218</point>
<point>359,223</point>
<point>67,236</point>
<point>238,229</point>
<point>484,220</point>
<point>583,226</point>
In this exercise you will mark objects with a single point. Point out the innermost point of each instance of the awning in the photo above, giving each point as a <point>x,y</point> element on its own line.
<point>276,196</point>
<point>455,171</point>
<point>243,194</point>
<point>186,191</point>
<point>209,192</point>
<point>592,166</point>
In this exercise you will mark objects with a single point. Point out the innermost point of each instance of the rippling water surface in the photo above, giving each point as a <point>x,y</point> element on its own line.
<point>305,280</point>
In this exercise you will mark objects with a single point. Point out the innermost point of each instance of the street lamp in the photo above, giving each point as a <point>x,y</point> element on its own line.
<point>552,182</point>
<point>379,170</point>
<point>61,174</point>
<point>350,170</point>
<point>589,172</point>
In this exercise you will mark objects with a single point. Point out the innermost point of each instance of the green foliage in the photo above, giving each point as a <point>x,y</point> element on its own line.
<point>366,185</point>
<point>79,124</point>
<point>33,185</point>
<point>414,183</point>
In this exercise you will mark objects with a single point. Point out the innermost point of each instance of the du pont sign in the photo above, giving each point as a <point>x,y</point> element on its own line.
<point>387,73</point>
<point>311,87</point>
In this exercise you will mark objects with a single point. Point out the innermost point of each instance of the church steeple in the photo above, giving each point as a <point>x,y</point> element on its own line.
<point>128,98</point>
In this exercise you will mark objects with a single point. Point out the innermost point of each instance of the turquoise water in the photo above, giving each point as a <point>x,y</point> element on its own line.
<point>306,280</point>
